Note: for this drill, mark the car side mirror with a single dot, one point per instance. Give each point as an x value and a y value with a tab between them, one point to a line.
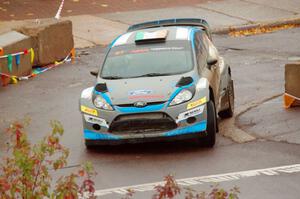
94	73
211	61
212	58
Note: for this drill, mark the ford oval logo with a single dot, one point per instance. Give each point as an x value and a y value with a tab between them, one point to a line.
140	104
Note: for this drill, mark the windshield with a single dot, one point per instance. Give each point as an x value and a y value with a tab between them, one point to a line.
130	61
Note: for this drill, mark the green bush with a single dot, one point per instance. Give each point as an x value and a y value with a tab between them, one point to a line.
26	172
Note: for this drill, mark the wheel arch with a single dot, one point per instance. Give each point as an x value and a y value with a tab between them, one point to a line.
211	95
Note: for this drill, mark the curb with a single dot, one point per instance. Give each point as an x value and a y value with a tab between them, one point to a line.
232	131
231	128
266	24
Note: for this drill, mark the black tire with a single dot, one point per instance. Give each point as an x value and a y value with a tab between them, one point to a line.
227	113
210	139
89	145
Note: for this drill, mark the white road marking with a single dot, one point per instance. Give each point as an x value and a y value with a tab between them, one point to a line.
205	179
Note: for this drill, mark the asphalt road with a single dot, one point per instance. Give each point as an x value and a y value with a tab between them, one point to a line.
32	9
257	65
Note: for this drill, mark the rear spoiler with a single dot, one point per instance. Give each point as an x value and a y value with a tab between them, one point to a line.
173	22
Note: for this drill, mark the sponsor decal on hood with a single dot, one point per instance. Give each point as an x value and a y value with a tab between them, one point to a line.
140	92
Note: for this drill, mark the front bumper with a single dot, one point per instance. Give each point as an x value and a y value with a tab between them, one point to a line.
182	128
188	132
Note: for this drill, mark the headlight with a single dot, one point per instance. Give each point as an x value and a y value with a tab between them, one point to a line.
182	96
99	102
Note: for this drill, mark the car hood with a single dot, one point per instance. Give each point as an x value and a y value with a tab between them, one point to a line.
146	89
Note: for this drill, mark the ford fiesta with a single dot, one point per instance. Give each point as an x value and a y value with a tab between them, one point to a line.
161	80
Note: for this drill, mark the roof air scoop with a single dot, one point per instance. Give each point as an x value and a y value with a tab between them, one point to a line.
150	37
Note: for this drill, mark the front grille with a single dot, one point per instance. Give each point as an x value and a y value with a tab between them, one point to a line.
142	123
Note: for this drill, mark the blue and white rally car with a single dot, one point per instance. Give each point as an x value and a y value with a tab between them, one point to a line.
161	80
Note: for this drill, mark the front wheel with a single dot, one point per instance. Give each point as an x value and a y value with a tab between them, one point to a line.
210	139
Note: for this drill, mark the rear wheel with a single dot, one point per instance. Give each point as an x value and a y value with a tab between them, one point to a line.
230	99
210	139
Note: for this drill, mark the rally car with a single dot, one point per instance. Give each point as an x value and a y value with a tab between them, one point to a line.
161	80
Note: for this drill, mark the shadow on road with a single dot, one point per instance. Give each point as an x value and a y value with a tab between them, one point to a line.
184	146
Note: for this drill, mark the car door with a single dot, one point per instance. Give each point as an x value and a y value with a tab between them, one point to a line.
205	50
215	69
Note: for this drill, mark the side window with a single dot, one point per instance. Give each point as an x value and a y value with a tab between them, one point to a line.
204	46
196	42
211	49
201	52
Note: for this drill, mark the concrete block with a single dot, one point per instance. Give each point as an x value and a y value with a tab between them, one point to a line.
292	85
292	79
52	39
13	42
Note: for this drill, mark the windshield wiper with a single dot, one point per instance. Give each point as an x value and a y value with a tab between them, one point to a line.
145	75
112	77
155	74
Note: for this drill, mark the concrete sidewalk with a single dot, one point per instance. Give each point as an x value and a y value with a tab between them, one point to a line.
101	29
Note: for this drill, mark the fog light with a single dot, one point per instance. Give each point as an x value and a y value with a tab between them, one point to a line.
97	127
96	120
191	120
